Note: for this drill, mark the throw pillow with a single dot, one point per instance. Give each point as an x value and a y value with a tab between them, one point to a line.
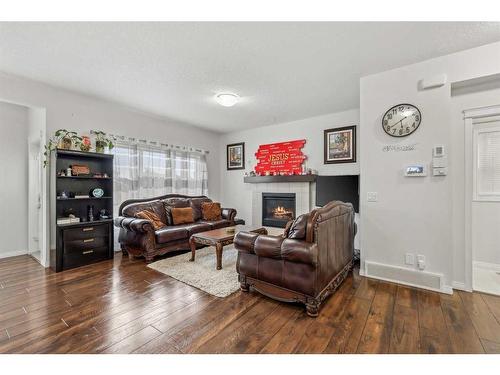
196	205
211	211
182	215
170	203
152	217
298	228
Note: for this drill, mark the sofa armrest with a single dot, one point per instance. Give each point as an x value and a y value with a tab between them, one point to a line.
228	214
133	224
299	251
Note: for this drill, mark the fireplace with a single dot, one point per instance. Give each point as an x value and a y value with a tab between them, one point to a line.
277	209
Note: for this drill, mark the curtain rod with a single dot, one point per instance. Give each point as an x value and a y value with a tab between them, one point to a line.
155	143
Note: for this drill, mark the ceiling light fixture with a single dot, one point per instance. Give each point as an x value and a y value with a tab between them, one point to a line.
227	99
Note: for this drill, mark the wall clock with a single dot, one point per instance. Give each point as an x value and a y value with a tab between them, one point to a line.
401	120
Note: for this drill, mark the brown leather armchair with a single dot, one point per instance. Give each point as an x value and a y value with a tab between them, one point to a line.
307	263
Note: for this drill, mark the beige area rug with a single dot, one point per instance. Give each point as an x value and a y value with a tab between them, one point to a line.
202	273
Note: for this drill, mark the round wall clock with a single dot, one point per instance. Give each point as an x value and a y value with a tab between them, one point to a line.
401	120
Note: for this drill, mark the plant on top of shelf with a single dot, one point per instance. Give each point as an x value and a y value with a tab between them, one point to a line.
102	141
63	139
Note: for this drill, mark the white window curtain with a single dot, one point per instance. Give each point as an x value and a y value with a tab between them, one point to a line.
143	170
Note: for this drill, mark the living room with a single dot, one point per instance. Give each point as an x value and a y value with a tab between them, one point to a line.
245	187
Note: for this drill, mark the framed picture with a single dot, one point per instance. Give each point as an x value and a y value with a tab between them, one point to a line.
236	156
340	145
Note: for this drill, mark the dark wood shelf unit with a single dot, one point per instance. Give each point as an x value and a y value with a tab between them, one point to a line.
86	242
85	177
82	199
270	179
85	223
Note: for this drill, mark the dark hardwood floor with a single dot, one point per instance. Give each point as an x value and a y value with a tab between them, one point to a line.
121	306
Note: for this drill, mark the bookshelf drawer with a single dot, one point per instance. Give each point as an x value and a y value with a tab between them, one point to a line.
85	244
98	230
82	257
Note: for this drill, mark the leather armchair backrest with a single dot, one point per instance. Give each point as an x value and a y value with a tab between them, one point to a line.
332	229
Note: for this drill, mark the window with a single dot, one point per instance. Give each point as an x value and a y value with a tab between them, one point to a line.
143	171
487	162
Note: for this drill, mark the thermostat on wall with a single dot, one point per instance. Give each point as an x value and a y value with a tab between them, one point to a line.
415	171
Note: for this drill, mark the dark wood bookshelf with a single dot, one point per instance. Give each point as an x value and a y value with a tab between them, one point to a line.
87	241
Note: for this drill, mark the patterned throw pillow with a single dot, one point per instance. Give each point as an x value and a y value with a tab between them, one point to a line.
298	228
211	211
182	215
152	217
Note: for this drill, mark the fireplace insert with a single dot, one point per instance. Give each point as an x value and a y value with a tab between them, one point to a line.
277	209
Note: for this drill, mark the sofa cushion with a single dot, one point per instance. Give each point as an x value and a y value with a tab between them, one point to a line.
182	215
155	206
152	217
196	205
170	203
168	234
216	224
193	228
211	211
298	228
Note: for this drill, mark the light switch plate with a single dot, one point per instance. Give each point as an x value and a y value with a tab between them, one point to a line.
372	196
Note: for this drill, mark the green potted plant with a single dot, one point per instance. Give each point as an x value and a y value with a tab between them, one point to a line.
102	141
62	139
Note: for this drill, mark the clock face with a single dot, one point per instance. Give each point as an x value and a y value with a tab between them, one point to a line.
401	120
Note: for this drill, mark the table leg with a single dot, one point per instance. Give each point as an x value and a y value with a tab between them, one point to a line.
218	252
192	244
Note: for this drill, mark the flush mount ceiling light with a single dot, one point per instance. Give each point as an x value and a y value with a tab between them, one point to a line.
227	99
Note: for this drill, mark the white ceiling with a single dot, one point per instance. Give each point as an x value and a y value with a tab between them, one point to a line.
282	71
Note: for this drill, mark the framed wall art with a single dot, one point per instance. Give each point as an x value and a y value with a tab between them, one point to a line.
340	145
235	156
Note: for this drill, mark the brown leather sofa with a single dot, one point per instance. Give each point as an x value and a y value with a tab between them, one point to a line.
307	263
137	237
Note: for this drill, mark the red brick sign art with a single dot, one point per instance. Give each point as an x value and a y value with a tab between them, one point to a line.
284	158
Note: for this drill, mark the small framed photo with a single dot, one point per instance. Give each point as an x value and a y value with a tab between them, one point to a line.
340	145
236	156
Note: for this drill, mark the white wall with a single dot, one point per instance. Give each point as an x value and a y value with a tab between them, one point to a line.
485	215
237	194
14	185
82	113
418	215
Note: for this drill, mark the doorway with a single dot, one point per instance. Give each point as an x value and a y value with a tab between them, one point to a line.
483	197
23	198
35	213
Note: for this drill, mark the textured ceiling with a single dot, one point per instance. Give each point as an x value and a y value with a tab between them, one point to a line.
282	71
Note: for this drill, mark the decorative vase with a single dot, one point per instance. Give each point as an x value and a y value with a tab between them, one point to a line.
99	146
85	145
66	143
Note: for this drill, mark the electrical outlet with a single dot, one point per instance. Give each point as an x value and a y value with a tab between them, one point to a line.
372	196
410	259
421	262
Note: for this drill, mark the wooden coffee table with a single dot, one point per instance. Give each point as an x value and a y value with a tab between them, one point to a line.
219	238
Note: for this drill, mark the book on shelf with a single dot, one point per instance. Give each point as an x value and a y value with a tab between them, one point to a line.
80	196
68	220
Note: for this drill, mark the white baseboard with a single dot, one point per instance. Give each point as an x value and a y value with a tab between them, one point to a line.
406	276
460	286
489	266
13	254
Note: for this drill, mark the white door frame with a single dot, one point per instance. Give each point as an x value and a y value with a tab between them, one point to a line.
471	117
41	113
